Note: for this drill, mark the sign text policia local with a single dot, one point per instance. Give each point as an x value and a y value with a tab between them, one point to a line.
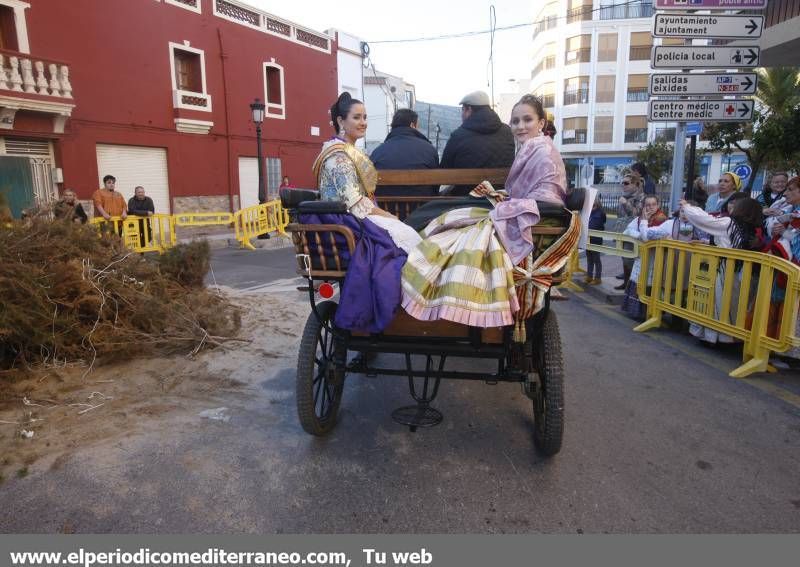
707	25
704	56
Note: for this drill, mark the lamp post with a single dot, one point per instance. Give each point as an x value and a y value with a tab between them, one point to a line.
438	129
257	109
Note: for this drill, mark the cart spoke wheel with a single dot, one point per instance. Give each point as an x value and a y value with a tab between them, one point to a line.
548	401
319	381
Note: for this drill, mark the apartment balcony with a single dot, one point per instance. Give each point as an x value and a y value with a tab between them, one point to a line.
545	24
549	100
579	14
640	53
579	96
635	135
34	84
582	55
545	64
574	137
626	11
638	94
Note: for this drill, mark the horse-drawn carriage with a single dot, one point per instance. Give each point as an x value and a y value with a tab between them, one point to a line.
324	251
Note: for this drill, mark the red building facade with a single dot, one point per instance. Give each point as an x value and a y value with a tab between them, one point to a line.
157	93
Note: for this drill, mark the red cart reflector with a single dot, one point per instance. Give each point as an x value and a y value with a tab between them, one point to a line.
326	290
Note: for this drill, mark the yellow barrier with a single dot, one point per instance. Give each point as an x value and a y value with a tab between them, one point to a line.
617	249
254	221
722	284
155	233
203	219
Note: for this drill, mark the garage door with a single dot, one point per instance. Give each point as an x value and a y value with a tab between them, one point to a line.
133	166
248	182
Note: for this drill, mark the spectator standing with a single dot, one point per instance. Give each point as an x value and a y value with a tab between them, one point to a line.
594	265
141	205
285	184
628	209
109	203
649	185
69	208
774	189
729	183
698	193
406	148
482	140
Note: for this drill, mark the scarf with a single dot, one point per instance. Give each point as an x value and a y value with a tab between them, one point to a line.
367	174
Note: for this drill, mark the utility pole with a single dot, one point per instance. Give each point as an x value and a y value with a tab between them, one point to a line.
429	122
690	177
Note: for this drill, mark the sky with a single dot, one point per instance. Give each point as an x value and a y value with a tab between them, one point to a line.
442	71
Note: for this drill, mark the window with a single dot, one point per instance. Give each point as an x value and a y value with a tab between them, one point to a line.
641	44
188	71
605	88
274	91
637	88
579	10
574	131
274	177
189	77
579	49
547	92
607	47
636	129
576	90
603	129
672	41
8	29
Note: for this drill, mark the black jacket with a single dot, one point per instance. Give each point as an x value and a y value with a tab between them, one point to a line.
140	208
406	148
482	141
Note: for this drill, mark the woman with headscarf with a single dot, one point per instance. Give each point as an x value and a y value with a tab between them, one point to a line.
729	183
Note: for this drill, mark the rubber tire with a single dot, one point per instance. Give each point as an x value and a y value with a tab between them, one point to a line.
548	430
308	369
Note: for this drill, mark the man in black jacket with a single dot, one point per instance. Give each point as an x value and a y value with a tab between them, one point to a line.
406	148
482	140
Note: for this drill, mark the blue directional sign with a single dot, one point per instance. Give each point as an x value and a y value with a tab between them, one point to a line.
694	128
743	170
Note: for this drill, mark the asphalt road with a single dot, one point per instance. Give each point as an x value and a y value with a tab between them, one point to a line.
658	439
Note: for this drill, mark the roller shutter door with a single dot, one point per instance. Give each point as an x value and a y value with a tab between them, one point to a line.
248	182
133	166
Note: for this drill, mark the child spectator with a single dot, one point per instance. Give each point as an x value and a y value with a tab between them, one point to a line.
597	221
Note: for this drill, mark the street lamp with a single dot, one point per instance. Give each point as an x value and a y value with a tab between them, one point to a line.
257	109
438	129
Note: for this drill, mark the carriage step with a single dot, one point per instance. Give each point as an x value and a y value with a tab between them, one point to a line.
420	415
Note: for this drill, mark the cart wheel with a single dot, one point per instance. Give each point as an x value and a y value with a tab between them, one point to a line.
319	382
548	403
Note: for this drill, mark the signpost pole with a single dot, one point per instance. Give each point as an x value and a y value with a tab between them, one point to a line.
690	177
677	166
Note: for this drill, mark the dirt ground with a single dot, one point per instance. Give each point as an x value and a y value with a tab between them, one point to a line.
47	414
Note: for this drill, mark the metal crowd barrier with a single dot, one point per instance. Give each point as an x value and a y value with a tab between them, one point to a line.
157	233
617	249
729	291
254	221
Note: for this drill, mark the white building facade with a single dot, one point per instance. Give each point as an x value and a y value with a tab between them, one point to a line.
591	65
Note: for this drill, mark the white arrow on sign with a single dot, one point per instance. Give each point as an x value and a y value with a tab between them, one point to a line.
668	84
704	56
707	25
710	4
705	110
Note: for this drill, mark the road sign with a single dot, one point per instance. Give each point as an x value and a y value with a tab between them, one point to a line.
704	56
743	170
717	110
693	84
694	128
707	25
710	4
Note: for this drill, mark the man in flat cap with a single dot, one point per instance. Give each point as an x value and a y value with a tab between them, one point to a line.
482	140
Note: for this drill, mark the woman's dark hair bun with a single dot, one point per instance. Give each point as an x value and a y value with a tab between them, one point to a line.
341	108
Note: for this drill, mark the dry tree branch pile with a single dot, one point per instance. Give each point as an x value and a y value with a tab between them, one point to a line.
69	293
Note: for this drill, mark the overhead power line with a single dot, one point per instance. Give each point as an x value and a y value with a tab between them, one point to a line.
496	28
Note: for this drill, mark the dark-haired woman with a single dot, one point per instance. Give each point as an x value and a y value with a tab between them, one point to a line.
463	270
742	230
344	173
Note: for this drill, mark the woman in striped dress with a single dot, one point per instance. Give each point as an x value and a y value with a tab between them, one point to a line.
463	269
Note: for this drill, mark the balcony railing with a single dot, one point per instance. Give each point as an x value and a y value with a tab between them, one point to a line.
582	55
19	72
579	96
640	52
635	135
579	14
626	11
779	11
577	137
637	94
549	100
545	24
545	64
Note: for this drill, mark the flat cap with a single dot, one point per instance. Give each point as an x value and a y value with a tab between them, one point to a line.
477	98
